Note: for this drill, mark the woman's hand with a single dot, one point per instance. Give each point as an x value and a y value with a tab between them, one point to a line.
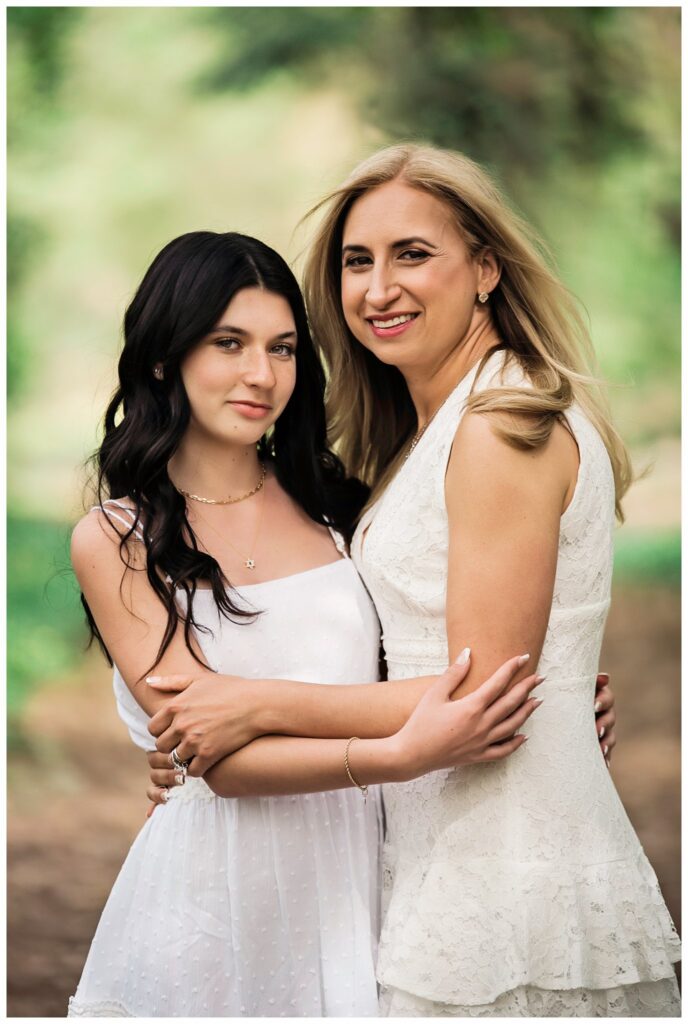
207	717
482	726
605	716
162	778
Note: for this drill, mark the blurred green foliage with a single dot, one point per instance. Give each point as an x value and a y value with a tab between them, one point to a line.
128	126
518	87
648	558
45	620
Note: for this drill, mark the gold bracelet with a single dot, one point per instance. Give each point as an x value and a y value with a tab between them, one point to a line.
363	789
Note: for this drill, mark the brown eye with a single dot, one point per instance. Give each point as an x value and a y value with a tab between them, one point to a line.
356	261
413	255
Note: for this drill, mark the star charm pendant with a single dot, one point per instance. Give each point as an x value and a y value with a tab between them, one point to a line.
249	563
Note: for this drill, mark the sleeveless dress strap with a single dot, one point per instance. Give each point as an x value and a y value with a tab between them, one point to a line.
127	520
339	541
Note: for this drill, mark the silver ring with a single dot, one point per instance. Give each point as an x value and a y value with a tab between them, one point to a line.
177	761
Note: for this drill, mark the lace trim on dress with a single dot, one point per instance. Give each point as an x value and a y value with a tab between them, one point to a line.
109	1009
552	925
646	999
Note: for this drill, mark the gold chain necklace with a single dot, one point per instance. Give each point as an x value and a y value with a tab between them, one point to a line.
248	560
230	500
417	436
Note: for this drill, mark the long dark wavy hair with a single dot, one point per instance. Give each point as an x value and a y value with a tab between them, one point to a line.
183	294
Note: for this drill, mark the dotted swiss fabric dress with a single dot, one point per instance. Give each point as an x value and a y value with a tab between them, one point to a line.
256	906
517	888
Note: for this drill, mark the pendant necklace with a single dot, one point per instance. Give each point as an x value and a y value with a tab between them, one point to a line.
248	560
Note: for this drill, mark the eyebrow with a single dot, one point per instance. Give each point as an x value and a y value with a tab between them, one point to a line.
395	245
228	329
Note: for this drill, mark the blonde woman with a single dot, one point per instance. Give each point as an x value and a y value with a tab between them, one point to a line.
465	395
462	392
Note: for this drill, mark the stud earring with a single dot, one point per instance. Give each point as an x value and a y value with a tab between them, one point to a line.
157	372
483	297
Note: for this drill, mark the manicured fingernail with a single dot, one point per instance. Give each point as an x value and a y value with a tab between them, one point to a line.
601	732
605	750
538	680
598	706
165	795
523	659
607	762
153	679
180	779
537	703
464	656
604	676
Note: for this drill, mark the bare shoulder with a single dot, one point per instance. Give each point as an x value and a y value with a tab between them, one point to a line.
482	459
96	544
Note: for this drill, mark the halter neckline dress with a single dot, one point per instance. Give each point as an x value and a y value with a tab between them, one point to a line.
516	888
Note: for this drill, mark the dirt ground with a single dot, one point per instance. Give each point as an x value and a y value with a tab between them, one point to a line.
78	799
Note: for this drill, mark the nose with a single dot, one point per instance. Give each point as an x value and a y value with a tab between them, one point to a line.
382	287
257	369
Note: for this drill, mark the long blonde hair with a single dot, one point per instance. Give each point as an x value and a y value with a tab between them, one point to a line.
370	412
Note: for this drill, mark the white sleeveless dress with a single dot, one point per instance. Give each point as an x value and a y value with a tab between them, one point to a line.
257	906
516	888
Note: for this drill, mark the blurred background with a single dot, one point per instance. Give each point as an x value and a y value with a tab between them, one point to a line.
129	126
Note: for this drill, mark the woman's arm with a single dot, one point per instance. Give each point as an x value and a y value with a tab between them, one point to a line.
130	616
206	716
132	620
440	733
504	508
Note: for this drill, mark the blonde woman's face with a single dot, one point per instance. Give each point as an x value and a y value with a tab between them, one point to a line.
409	285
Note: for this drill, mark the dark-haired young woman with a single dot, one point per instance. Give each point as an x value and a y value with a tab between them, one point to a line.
217	542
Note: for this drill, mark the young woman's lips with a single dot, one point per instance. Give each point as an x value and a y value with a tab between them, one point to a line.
251	412
395	329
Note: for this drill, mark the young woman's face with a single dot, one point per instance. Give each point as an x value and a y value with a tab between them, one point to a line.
409	284
239	378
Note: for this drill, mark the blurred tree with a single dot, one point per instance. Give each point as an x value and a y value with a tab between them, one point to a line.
23	238
37	38
42	31
520	84
523	90
261	41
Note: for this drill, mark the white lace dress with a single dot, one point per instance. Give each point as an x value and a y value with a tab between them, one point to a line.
258	906
517	888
